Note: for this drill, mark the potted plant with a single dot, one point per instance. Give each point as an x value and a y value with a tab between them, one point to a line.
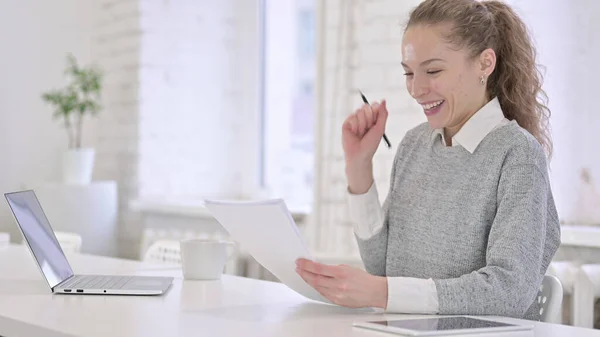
72	104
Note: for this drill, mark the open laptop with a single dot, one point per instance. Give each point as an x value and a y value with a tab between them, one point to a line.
53	263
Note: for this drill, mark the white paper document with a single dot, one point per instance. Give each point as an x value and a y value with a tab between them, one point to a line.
268	232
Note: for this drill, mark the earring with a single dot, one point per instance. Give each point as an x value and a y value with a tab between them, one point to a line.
482	79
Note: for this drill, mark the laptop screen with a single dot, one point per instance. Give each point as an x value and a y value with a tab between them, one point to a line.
39	236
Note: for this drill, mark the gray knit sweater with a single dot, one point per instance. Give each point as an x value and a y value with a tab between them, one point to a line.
483	226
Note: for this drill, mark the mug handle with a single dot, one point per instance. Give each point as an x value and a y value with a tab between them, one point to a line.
232	251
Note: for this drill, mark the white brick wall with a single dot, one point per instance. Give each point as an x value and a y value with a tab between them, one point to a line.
179	100
193	76
117	50
371	33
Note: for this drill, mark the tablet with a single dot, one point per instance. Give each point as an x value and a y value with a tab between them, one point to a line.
438	326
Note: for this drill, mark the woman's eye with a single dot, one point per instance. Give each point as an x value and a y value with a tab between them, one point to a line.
408	74
431	72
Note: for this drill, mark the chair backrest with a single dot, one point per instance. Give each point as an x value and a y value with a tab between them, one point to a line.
566	272
69	242
163	252
550	299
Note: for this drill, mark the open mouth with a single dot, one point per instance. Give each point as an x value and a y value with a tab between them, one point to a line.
433	108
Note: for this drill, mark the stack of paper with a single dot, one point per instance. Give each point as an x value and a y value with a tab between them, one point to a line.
267	231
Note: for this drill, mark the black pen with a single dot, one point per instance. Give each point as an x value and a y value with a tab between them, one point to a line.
387	141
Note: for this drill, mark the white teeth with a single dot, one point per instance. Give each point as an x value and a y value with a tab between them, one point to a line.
432	105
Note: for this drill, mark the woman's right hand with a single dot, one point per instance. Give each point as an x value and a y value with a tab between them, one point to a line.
361	135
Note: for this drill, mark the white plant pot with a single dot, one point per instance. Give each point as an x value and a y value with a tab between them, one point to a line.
78	165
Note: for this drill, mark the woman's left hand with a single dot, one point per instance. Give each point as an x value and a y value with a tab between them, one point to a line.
344	285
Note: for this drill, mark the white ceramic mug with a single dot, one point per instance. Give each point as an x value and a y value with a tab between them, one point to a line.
204	259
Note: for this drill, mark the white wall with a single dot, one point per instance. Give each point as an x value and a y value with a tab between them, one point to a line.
361	50
36	36
117	48
197	96
180	119
582	60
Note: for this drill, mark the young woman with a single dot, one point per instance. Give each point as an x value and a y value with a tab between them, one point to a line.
469	224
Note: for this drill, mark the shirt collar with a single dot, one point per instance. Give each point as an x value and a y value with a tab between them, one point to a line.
477	127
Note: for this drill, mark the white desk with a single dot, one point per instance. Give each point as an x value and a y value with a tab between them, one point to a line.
231	307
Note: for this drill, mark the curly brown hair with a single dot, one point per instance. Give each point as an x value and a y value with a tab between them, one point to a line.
516	81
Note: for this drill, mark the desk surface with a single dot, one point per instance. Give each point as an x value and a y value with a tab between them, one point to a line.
233	306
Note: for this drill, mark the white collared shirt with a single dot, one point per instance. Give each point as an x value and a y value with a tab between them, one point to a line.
407	294
488	118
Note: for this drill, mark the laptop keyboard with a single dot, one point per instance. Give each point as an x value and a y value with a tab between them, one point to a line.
97	282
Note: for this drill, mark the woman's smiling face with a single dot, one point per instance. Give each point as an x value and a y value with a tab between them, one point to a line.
443	79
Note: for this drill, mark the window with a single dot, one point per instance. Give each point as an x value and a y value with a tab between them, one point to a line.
288	100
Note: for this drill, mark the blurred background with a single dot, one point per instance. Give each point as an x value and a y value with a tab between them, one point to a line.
244	100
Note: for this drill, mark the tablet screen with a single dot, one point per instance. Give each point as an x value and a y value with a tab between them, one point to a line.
442	323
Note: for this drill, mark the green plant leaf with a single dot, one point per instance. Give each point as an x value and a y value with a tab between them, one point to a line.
81	95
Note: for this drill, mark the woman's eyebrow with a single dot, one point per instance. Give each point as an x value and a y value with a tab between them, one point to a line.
426	62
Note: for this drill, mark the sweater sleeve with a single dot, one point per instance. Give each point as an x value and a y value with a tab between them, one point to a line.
509	282
373	249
